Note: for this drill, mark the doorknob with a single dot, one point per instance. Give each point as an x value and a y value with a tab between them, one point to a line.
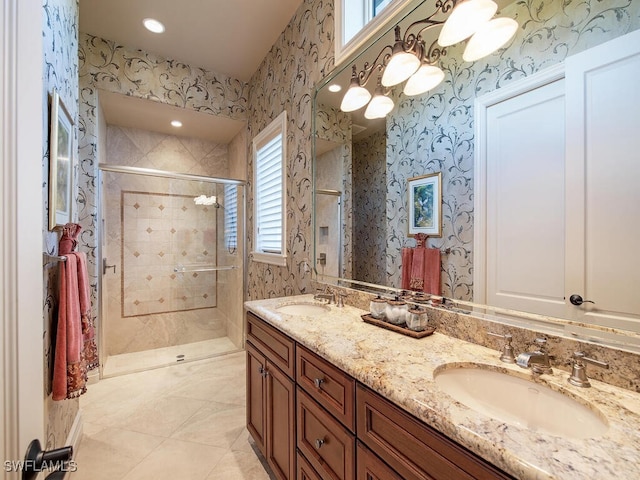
577	300
37	460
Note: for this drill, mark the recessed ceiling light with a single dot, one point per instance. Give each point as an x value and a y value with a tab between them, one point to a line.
153	25
335	88
176	123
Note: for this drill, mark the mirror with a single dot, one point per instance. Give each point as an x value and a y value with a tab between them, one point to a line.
367	164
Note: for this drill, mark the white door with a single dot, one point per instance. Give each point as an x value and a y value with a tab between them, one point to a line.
603	183
521	265
554	224
21	324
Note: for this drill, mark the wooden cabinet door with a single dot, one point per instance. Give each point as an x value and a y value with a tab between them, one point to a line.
370	467
305	470
256	395
281	421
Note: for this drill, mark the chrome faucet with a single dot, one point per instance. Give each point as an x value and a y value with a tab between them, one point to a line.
507	355
328	295
539	360
579	371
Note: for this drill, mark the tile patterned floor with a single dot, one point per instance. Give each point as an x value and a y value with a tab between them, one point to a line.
183	422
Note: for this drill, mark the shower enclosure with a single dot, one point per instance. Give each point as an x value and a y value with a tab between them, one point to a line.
172	278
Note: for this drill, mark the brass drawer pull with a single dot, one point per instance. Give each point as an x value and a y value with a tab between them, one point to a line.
319	442
318	382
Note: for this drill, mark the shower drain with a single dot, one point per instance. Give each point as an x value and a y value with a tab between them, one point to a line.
179	358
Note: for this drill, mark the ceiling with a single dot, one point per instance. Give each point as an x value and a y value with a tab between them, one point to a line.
229	37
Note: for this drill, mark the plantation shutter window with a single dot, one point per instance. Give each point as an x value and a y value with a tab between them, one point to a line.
269	200
231	218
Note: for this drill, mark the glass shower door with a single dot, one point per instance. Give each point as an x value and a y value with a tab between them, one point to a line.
172	279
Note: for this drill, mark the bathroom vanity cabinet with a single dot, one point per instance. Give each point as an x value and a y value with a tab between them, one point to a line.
313	421
271	395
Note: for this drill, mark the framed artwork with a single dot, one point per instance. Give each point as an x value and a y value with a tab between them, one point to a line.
425	205
61	159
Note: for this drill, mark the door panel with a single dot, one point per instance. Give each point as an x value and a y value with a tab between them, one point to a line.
603	101
525	201
281	422
256	395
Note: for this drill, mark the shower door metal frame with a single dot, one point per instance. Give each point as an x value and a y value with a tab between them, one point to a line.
151	172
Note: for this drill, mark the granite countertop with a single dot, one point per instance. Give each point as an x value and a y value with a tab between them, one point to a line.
402	368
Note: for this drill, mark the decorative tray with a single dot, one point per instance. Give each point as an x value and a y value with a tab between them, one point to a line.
398	328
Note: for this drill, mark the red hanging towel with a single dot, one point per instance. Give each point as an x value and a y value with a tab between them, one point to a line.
432	271
68	375
407	256
75	349
417	269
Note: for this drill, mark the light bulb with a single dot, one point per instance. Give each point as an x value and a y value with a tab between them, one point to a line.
465	19
402	64
426	78
355	98
379	106
489	38
153	25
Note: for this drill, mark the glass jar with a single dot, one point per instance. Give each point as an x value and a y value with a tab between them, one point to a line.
378	307
396	311
417	319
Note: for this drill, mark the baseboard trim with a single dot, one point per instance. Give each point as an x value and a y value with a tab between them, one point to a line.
75	434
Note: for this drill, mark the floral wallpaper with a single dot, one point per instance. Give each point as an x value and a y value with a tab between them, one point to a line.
285	81
369	200
435	133
115	68
60	72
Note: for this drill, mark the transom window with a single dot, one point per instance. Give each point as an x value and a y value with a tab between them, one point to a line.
357	20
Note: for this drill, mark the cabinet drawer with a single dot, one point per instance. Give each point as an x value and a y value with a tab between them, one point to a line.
370	467
411	448
305	470
329	386
275	345
327	445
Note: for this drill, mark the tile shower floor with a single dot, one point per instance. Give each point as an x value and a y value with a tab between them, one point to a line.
183	422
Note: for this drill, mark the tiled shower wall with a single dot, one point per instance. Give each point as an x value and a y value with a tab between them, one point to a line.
153	225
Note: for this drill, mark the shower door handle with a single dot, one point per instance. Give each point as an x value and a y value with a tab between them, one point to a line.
105	266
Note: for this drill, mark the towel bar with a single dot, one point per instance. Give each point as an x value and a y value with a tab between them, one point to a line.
443	251
202	268
46	258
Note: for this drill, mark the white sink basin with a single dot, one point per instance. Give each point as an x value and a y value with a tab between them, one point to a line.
520	402
303	308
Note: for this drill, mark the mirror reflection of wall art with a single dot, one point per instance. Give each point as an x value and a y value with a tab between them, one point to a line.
60	164
425	204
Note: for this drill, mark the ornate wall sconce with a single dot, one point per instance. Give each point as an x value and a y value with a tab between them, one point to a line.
411	60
